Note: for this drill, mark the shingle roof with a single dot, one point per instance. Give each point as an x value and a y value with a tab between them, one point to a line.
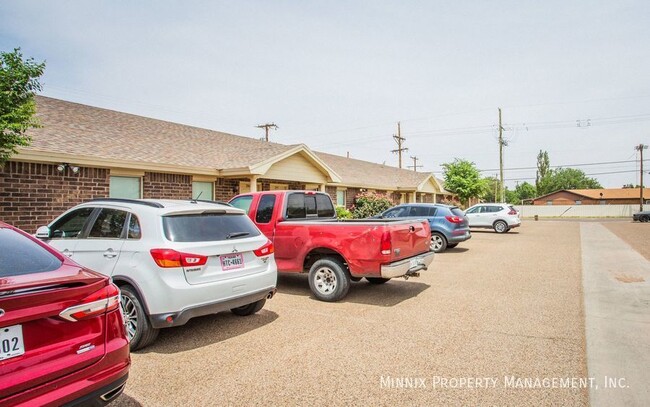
72	128
96	133
607	193
612	193
358	172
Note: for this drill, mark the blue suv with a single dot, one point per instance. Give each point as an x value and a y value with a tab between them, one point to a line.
449	226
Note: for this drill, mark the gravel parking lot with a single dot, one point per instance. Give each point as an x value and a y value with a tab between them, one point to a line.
496	306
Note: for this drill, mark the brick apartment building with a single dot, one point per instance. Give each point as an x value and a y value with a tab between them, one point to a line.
83	152
613	196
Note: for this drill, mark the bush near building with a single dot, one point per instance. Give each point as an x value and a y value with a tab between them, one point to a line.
367	204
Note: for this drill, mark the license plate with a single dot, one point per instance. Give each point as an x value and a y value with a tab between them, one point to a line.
11	342
232	261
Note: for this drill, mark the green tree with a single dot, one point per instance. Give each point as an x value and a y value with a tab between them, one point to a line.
543	166
463	179
525	191
491	189
367	204
19	82
566	178
512	197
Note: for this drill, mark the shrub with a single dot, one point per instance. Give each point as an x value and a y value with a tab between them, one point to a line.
342	213
369	204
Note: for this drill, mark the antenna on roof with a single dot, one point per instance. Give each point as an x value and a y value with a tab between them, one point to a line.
197	198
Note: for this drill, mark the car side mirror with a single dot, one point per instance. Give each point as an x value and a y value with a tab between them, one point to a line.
43	232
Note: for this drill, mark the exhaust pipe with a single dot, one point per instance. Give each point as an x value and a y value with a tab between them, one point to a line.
271	294
111	395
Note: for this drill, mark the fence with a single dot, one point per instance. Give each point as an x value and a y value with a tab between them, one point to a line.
577	211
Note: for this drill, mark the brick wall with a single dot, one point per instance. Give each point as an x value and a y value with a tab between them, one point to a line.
32	195
166	186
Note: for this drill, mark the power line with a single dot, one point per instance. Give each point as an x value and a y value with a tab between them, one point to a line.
266	128
564	166
415	165
593	173
399	140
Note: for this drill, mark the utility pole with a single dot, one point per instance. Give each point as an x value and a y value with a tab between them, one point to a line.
502	194
399	140
266	128
415	165
640	148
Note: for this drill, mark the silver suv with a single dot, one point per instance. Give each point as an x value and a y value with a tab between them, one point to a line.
497	216
173	260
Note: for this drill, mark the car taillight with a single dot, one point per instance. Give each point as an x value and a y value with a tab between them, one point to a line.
102	301
265	250
512	212
386	245
168	258
454	219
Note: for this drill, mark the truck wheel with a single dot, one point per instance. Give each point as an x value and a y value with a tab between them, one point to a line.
249	309
438	243
377	280
138	328
329	279
644	218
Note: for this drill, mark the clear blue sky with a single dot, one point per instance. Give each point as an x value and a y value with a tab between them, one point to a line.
338	76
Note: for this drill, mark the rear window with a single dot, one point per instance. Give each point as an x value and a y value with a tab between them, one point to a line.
208	227
457	212
20	255
301	206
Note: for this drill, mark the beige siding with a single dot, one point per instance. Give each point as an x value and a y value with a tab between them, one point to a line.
429	187
296	168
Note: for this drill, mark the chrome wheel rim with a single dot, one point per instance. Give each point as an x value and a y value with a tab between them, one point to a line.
500	226
130	316
325	280
436	243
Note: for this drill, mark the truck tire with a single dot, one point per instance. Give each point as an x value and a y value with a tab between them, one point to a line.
329	279
249	309
377	280
138	329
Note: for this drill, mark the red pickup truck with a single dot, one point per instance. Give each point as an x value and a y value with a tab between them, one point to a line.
308	238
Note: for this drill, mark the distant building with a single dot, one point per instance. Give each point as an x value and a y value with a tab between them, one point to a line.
613	196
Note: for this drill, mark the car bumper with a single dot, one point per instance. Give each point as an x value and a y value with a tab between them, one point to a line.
170	319
97	385
408	266
459	238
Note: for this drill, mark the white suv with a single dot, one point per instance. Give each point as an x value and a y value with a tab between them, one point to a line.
173	260
497	216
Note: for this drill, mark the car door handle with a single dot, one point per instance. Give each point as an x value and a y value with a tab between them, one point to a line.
110	253
66	253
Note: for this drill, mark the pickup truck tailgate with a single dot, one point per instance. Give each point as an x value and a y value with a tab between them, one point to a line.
410	239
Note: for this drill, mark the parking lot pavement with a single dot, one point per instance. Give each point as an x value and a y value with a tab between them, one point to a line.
491	314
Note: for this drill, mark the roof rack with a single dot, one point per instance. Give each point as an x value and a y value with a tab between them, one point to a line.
131	201
211	202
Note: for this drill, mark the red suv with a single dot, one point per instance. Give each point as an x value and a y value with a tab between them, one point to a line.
62	336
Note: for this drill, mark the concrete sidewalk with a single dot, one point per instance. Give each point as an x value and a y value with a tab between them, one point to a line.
616	281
